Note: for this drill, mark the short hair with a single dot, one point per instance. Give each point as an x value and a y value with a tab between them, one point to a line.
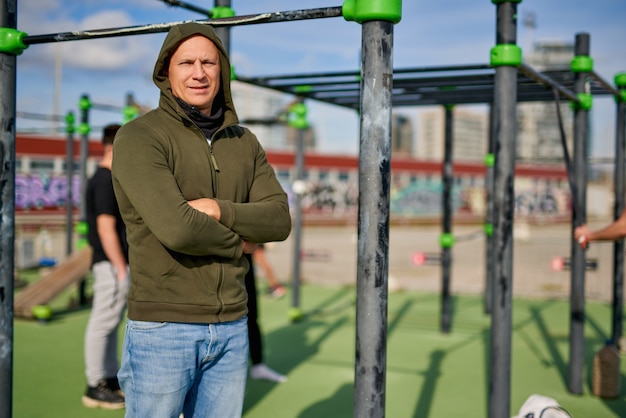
108	133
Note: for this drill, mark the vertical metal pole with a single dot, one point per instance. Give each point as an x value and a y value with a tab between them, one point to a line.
223	32
577	295
85	105
505	100
490	261
446	250
69	172
8	19
618	246
82	167
297	232
373	219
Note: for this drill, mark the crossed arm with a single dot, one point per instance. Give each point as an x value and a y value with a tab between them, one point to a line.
212	209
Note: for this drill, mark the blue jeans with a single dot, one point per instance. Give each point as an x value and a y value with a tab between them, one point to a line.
198	369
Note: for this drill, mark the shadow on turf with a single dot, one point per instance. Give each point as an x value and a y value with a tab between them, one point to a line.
288	345
336	404
556	359
291	344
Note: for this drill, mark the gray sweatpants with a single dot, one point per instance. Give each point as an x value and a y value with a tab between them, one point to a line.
107	311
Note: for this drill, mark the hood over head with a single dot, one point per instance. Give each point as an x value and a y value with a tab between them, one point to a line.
174	38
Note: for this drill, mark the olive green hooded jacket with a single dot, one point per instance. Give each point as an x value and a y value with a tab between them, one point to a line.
184	265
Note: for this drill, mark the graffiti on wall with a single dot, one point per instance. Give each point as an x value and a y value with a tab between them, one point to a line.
41	191
420	198
423	198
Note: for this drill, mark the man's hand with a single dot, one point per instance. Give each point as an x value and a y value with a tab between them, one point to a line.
581	234
207	206
249	247
211	208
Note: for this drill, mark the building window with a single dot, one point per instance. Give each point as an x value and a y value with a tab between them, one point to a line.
76	167
42	165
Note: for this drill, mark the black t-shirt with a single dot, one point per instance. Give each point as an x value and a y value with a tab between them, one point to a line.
100	199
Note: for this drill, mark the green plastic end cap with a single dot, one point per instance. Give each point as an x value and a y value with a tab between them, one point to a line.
490	160
42	312
69	120
620	80
488	228
82	228
303	89
129	113
622	96
297	113
582	64
11	41
367	10
446	240
294	314
219	12
299	110
84	103
506	54
82	243
299	123
233	73
585	101
84	128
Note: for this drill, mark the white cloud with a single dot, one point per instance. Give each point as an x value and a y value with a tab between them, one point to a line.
110	54
106	54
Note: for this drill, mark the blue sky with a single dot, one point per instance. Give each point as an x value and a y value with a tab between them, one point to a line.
430	33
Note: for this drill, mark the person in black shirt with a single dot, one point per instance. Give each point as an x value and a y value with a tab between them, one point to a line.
107	237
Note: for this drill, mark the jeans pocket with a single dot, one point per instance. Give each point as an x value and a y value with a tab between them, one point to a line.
145	325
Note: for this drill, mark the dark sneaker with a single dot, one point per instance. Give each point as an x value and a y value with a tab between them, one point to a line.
113	384
103	397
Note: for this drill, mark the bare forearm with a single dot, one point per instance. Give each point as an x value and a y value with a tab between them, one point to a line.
611	232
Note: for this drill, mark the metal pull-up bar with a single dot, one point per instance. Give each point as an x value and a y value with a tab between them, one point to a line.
606	85
548	82
287	16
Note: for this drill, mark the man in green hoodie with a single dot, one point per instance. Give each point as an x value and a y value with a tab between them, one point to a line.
196	193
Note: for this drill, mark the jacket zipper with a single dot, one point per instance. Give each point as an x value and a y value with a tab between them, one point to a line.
220	280
213	160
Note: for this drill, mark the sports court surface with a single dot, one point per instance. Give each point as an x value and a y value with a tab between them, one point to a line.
429	374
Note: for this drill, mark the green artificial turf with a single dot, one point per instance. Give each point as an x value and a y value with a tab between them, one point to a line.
429	374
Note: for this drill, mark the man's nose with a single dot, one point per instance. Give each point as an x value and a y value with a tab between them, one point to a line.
198	71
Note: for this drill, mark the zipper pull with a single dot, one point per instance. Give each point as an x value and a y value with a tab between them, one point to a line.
213	161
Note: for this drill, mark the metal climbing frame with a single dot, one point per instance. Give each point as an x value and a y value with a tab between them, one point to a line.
501	84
